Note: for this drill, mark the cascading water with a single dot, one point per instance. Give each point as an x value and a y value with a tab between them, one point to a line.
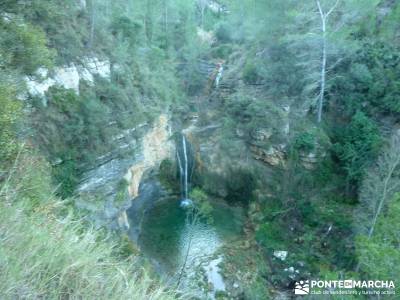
183	246
184	173
219	74
186	167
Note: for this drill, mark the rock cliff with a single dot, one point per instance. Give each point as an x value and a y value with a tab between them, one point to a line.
117	177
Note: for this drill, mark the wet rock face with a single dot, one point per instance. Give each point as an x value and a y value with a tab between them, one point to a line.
149	191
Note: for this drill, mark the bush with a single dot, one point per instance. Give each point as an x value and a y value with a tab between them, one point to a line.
126	28
10	112
168	174
371	78
222	52
24	47
224	33
305	142
250	73
270	236
66	174
358	145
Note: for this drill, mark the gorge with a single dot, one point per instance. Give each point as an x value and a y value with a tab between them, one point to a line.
205	149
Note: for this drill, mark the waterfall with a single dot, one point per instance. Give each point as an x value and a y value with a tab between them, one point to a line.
184	166
185	174
219	74
180	172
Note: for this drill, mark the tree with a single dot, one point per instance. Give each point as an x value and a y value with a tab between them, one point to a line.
23	47
322	39
379	254
380	185
357	145
324	15
92	23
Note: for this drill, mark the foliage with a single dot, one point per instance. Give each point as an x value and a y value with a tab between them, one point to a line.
371	78
168	174
223	33
10	112
357	145
305	142
126	28
250	73
270	237
48	253
72	129
156	64
378	255
66	174
221	52
201	201
23	46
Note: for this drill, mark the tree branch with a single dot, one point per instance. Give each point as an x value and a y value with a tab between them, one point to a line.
332	9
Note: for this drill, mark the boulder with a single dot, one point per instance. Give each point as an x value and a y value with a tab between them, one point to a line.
280	254
272	156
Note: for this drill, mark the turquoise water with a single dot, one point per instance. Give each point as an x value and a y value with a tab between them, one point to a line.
166	236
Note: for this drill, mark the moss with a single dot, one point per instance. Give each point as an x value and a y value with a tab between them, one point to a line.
168	175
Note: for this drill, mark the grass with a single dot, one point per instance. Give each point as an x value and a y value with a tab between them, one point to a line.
46	252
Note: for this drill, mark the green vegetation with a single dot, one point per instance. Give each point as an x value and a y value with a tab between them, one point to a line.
379	253
47	252
358	144
10	111
302	124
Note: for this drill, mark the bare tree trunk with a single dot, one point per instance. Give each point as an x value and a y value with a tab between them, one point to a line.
166	22
202	16
92	24
324	17
383	199
323	72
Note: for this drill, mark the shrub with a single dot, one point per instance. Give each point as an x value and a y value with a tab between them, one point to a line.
305	142
10	112
24	47
126	28
250	73
358	145
224	33
222	51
